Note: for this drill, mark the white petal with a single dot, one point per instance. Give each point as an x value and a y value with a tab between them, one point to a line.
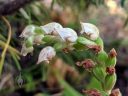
90	30
50	27
46	54
67	34
28	31
25	50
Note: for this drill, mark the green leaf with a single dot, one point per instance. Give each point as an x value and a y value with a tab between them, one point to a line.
68	90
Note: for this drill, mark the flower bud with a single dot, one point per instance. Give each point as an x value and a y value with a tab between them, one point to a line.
115	92
46	54
28	31
111	61
25	50
50	28
90	31
110	70
99	73
67	34
88	64
95	48
92	92
112	53
101	57
110	81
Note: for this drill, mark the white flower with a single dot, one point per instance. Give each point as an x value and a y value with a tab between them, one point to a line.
25	50
46	54
28	31
90	30
67	34
50	27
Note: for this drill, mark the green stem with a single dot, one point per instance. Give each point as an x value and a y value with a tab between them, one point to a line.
3	44
16	61
7	44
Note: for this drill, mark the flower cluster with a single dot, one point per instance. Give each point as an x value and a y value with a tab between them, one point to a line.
101	65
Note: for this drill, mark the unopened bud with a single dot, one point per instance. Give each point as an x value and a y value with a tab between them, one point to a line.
88	64
115	92
95	48
92	92
110	70
110	81
112	53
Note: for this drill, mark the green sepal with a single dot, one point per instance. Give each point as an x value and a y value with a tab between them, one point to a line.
111	61
29	41
101	57
99	41
99	73
85	41
48	38
79	46
58	46
110	81
39	31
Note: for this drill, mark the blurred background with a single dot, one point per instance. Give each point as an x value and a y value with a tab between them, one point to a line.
110	16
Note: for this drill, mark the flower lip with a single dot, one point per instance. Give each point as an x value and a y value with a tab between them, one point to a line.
67	34
90	30
46	54
28	31
51	27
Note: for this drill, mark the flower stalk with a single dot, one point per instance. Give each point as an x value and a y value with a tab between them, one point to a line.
101	65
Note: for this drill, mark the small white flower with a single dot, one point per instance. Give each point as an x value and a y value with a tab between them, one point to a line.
28	31
67	34
90	30
25	50
50	27
46	54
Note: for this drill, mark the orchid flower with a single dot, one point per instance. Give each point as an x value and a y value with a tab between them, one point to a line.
51	27
90	31
67	34
28	31
46	54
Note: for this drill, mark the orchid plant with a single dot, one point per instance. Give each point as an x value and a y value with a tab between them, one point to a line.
101	65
